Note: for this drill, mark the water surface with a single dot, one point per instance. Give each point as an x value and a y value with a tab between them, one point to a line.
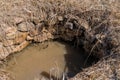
50	58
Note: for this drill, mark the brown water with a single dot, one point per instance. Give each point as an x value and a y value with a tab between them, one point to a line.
35	61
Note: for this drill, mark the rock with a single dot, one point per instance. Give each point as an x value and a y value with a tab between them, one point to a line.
10	32
22	45
49	35
69	25
9	49
84	23
23	27
29	38
20	37
32	30
43	37
40	38
44	30
18	20
7	42
4	53
13	47
60	18
36	20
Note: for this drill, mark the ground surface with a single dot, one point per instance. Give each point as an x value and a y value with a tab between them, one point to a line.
26	21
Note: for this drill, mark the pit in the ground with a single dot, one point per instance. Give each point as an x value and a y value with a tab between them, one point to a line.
48	60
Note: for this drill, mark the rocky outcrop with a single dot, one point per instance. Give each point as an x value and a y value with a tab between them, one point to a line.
14	39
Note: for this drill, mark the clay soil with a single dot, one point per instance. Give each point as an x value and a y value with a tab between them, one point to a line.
93	25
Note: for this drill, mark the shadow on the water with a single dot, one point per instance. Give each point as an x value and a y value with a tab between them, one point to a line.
74	58
74	61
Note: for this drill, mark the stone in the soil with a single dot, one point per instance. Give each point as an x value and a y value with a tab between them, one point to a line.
49	35
20	37
60	18
22	45
23	27
36	20
9	49
18	20
69	25
42	37
32	30
8	42
29	38
10	32
4	53
84	23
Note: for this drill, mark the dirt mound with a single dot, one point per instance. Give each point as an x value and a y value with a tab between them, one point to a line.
94	25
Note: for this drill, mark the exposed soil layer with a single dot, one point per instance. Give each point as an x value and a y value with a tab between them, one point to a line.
94	27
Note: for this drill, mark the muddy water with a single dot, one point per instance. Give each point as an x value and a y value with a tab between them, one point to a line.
51	58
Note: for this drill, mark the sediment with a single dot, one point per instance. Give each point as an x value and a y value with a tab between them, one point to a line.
96	29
